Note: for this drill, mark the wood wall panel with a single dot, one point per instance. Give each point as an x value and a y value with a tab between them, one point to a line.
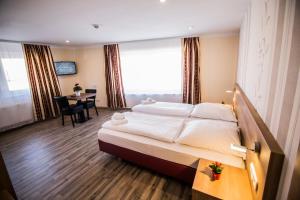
268	162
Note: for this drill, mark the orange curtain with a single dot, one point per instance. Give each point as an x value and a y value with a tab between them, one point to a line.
43	80
191	72
113	75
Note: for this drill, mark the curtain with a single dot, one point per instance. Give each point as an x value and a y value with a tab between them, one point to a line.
191	71
113	75
15	97
43	80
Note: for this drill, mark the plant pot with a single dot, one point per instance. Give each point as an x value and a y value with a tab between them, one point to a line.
77	93
216	176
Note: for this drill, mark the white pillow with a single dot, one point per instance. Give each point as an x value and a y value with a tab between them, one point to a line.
214	111
210	134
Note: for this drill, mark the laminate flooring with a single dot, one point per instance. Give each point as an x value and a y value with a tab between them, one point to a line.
46	160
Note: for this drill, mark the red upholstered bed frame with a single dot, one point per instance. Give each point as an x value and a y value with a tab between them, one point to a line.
175	170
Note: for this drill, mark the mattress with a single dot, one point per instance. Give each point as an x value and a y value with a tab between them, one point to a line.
164	128
165	108
173	152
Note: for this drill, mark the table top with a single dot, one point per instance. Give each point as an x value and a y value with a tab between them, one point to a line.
82	96
234	182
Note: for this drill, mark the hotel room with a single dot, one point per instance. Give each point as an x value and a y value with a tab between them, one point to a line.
156	99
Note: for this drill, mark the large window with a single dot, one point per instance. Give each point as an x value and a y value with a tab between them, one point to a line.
15	73
16	103
151	67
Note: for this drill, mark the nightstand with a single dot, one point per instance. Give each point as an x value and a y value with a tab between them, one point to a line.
233	184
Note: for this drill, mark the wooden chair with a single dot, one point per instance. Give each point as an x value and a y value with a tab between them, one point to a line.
67	109
90	102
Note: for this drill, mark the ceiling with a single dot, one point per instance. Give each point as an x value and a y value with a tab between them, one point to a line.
55	21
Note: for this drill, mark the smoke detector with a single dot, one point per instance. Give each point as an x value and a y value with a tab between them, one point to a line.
96	26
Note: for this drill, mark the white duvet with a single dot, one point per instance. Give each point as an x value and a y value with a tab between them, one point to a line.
161	128
165	108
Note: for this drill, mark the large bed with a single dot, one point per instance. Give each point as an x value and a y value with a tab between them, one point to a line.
173	152
156	136
180	161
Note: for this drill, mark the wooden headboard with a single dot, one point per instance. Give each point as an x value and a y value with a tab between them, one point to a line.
267	163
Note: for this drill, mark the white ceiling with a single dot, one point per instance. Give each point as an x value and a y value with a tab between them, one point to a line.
54	21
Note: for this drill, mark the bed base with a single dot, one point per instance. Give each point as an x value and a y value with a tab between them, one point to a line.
175	170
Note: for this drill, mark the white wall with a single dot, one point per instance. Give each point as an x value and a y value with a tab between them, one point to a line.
218	63
268	71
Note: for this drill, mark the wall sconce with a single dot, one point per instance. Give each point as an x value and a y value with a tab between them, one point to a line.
229	93
243	149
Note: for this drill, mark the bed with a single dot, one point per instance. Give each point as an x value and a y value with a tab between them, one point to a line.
180	161
155	138
172	152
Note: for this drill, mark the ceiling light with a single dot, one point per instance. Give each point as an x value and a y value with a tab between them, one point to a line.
67	41
162	1
190	28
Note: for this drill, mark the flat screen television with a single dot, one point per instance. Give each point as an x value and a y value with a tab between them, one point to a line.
65	68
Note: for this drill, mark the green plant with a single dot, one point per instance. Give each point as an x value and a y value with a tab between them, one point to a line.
77	87
216	167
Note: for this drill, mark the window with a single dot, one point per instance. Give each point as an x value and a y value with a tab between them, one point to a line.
15	73
151	67
16	103
14	85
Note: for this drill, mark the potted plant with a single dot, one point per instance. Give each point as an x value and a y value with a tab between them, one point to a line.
77	88
216	170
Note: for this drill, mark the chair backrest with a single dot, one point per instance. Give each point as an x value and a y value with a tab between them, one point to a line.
91	91
62	102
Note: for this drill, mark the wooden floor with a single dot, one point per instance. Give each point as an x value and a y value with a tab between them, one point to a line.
49	161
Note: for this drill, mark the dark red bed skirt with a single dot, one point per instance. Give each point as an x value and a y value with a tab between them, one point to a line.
178	171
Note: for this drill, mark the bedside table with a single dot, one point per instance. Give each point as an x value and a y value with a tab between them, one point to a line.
233	184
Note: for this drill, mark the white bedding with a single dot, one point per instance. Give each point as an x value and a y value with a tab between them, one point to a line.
181	154
214	135
162	128
165	108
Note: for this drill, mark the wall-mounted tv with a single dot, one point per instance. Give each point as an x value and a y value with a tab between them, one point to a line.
65	68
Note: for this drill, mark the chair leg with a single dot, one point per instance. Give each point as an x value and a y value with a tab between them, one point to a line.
72	120
75	118
96	111
87	113
63	119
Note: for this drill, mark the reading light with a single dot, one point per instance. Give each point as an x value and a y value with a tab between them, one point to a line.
162	1
67	41
228	91
244	149
253	176
238	148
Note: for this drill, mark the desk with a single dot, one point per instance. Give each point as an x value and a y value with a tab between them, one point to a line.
83	96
